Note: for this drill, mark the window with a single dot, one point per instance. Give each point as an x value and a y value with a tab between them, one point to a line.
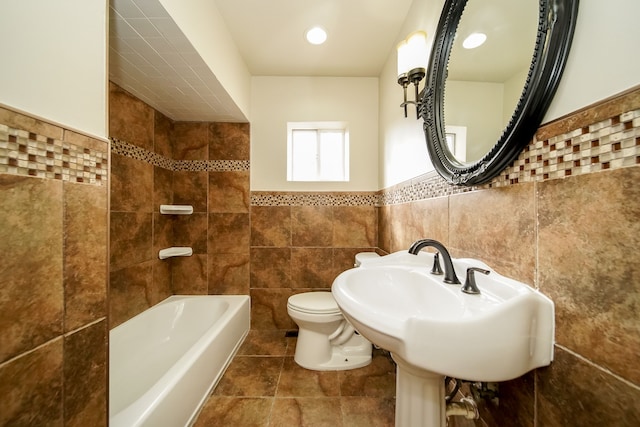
457	141
318	152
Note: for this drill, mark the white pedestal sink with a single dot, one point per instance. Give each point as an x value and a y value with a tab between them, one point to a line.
434	330
419	396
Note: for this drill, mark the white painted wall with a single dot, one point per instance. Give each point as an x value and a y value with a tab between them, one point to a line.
478	106
54	61
402	148
202	24
512	93
603	62
604	56
278	100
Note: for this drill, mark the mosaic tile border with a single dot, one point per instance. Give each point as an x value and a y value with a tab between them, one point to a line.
126	149
613	143
427	186
211	165
259	198
138	153
27	153
608	144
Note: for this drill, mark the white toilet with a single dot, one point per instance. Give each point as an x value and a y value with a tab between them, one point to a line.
326	340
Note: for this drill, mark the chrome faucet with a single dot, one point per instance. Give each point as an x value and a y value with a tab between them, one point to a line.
449	272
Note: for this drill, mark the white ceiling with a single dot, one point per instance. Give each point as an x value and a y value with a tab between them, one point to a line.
270	35
510	27
151	58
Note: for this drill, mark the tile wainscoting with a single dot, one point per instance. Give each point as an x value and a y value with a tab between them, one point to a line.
53	274
301	242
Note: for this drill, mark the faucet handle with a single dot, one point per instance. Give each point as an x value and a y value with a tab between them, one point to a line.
470	286
436	269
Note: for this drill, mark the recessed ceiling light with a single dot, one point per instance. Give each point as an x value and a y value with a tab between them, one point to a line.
474	40
316	35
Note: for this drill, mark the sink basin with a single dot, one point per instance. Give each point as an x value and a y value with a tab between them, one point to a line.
498	335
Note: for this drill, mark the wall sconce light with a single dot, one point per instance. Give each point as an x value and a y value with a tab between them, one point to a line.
412	65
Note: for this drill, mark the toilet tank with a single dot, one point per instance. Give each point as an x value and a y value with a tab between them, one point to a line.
363	257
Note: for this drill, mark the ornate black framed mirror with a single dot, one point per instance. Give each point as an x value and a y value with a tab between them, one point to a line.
481	106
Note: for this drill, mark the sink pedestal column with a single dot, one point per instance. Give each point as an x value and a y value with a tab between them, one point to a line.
419	397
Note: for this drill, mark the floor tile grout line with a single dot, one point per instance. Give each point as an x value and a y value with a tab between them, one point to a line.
271	413
275	392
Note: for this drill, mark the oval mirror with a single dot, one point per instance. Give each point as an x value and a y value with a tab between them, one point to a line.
485	97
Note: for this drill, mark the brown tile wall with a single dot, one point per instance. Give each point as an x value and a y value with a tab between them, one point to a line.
576	239
267	245
302	246
157	161
138	279
53	274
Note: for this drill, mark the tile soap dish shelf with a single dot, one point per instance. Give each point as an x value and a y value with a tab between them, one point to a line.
176	209
175	251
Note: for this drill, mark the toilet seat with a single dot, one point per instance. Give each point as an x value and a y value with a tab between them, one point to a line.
314	303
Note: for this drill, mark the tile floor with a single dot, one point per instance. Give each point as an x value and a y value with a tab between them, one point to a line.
263	386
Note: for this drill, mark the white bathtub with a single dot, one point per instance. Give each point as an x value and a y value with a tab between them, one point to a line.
164	362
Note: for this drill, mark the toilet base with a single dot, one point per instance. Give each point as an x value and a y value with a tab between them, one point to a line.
355	353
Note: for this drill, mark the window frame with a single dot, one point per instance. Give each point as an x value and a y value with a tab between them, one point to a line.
318	128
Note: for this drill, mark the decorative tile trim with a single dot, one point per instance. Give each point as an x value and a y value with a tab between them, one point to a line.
126	149
427	186
27	153
259	198
613	143
134	152
211	165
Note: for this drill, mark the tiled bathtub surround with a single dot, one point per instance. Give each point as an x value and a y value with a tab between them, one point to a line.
156	161
573	233
53	274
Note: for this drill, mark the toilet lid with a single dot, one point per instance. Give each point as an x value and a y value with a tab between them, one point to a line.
314	302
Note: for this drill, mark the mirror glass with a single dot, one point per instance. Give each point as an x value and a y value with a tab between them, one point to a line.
484	83
481	106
